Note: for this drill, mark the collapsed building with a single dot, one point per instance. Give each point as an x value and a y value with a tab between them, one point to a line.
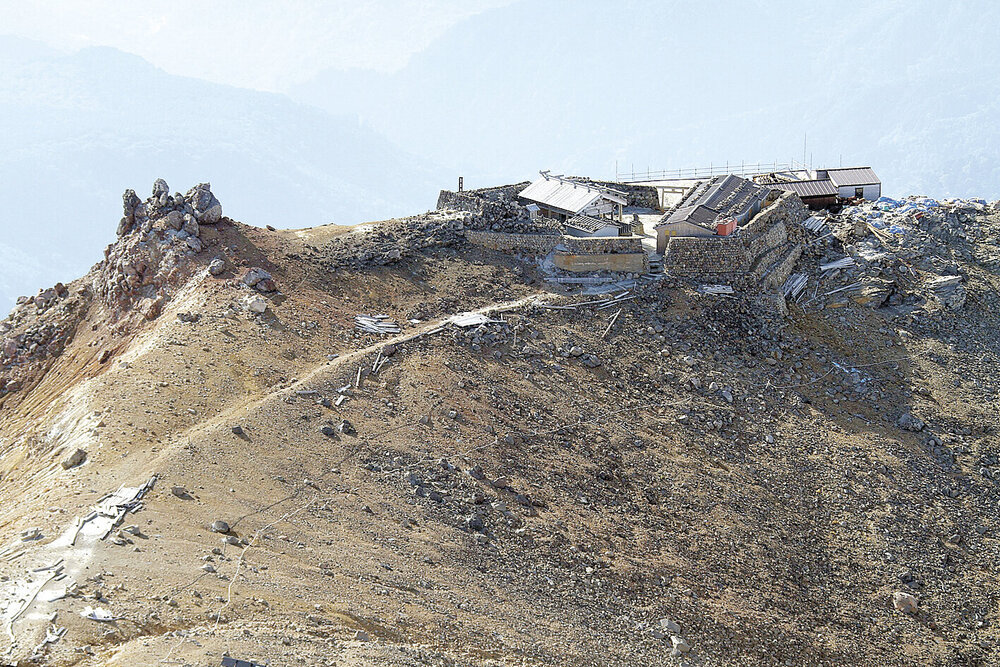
715	207
823	188
586	208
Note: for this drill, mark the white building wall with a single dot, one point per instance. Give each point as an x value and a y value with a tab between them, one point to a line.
873	191
611	230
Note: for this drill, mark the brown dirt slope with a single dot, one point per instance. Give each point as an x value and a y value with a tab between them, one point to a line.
533	493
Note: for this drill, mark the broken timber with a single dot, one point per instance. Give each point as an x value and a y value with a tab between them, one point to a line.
376	324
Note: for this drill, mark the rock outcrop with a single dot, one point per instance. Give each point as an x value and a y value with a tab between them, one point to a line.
157	237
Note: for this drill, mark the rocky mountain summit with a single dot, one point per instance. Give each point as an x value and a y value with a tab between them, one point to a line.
386	445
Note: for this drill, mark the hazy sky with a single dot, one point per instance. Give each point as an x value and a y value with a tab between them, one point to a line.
247	43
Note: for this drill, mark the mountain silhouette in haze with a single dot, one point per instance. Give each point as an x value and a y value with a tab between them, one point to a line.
80	128
576	86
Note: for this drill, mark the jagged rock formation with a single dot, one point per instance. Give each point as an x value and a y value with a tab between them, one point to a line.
157	237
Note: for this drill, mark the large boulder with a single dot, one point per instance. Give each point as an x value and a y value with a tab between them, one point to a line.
207	209
160	188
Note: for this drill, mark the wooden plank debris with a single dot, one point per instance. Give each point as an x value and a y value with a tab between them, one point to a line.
814	223
842	263
614	319
599	304
376	324
794	285
715	289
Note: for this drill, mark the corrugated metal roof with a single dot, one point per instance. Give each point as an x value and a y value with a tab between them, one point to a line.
815	188
725	196
586	223
699	215
553	192
722	188
852	176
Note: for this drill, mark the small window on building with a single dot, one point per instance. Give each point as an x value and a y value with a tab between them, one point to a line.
859	192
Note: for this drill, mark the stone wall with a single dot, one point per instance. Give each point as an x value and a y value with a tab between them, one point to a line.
604	245
495	209
772	237
763	250
532	244
779	271
543	244
787	208
643	196
712	256
474	201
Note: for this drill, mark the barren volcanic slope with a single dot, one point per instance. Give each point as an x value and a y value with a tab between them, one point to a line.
541	489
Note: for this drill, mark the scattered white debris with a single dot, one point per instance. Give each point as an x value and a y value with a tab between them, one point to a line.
109	512
376	324
469	319
814	223
794	285
841	263
715	289
100	614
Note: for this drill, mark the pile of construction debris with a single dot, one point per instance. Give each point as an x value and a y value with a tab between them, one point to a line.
903	254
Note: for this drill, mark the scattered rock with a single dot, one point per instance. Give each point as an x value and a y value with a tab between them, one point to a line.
77	457
904	602
256	305
219	526
908	422
207	209
680	646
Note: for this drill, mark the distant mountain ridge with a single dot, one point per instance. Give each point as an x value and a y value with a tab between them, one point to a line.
80	128
576	86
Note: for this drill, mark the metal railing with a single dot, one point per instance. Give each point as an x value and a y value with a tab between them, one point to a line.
738	169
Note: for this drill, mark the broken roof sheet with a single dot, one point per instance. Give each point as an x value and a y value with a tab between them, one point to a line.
566	195
702	216
586	223
812	188
852	176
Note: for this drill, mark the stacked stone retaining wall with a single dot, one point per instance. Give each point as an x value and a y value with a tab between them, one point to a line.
763	250
642	196
542	244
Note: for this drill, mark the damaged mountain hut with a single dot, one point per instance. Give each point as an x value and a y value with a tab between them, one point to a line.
583	204
815	193
715	207
823	188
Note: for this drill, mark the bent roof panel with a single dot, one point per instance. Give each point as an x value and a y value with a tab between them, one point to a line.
853	176
814	188
566	195
699	215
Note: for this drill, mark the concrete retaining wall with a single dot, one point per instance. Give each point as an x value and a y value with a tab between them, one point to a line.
624	262
543	244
